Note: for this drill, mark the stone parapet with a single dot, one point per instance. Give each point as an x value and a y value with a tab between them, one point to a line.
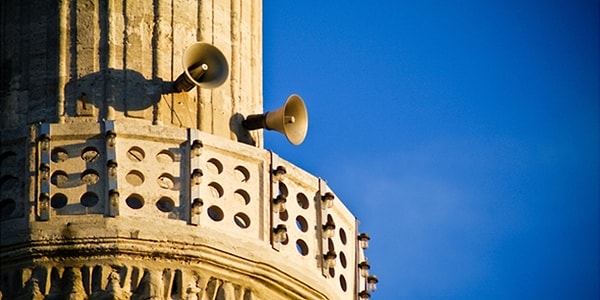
172	213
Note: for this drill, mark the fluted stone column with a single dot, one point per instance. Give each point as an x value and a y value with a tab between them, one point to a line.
89	60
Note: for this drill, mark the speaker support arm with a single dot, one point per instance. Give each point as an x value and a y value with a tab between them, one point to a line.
184	83
254	122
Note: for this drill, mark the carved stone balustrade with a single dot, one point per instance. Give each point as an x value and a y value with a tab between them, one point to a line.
129	210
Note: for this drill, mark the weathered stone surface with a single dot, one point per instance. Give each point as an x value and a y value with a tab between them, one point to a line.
123	56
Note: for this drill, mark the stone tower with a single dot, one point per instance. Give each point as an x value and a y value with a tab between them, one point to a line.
115	186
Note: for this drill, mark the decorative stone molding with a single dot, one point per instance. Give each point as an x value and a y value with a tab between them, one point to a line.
113	282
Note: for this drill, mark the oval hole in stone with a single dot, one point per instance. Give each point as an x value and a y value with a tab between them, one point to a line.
8	159
58	201
89	199
302	200
301	223
165	204
135	201
283	190
59	155
215	213
90	154
166	181
242	196
59	178
216	189
136	154
90	177
135	178
343	237
302	247
165	157
242	220
214	166
7	207
343	259
241	174
7	183
343	283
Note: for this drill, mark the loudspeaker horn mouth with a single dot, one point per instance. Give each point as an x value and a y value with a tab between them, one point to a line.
204	65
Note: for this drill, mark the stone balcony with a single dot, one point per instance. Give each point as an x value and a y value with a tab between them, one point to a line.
141	211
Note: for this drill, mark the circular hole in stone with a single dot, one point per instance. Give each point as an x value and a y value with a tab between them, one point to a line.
135	201
241	174
301	223
216	189
8	183
166	181
302	200
214	166
165	157
343	283
283	190
59	178
343	259
7	207
89	199
242	196
136	154
302	247
58	201
135	178
241	220
8	159
165	204
59	155
90	154
215	213
89	177
283	216
330	245
343	236
332	272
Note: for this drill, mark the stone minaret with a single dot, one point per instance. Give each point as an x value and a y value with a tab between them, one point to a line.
114	186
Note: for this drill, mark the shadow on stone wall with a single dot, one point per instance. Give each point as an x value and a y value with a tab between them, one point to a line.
124	90
241	133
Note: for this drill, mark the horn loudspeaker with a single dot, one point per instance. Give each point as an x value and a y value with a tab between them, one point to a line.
204	66
291	119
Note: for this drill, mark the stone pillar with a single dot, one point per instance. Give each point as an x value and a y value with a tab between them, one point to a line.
88	60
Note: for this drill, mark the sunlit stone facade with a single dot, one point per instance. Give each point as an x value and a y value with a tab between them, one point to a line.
112	186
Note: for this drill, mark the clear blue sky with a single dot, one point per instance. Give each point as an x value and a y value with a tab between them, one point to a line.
464	135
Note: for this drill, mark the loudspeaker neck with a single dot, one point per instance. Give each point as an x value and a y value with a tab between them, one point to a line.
254	122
